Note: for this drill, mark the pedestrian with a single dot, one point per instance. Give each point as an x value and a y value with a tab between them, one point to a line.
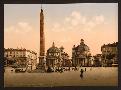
81	75
85	69
82	71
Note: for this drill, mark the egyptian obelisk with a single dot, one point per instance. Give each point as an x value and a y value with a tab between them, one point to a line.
42	39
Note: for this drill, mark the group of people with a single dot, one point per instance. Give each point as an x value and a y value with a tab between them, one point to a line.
61	69
49	69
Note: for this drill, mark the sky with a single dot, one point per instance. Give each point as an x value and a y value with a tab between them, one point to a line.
64	24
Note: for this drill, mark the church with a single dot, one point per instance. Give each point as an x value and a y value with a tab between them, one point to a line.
80	54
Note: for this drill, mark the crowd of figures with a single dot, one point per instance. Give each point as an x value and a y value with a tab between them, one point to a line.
62	69
82	70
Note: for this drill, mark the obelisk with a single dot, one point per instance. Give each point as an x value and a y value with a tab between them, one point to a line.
42	40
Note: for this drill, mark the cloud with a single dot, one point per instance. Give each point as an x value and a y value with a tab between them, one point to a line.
67	19
77	21
99	19
56	27
9	29
20	27
66	39
76	18
95	21
91	24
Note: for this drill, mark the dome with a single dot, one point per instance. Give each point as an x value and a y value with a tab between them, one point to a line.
53	49
82	47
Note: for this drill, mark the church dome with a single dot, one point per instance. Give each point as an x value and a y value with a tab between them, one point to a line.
53	49
82	47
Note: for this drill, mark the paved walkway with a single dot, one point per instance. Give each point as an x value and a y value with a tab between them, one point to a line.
100	76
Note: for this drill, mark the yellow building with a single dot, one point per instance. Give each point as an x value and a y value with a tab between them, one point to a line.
20	58
109	54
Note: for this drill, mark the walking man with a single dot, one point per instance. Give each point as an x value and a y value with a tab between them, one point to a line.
81	75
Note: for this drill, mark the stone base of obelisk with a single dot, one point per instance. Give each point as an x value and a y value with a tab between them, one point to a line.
39	69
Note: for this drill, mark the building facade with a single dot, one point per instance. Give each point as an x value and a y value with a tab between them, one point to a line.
56	57
97	62
20	58
80	54
109	54
53	56
66	62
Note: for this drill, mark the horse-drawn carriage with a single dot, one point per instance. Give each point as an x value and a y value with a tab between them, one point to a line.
17	70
